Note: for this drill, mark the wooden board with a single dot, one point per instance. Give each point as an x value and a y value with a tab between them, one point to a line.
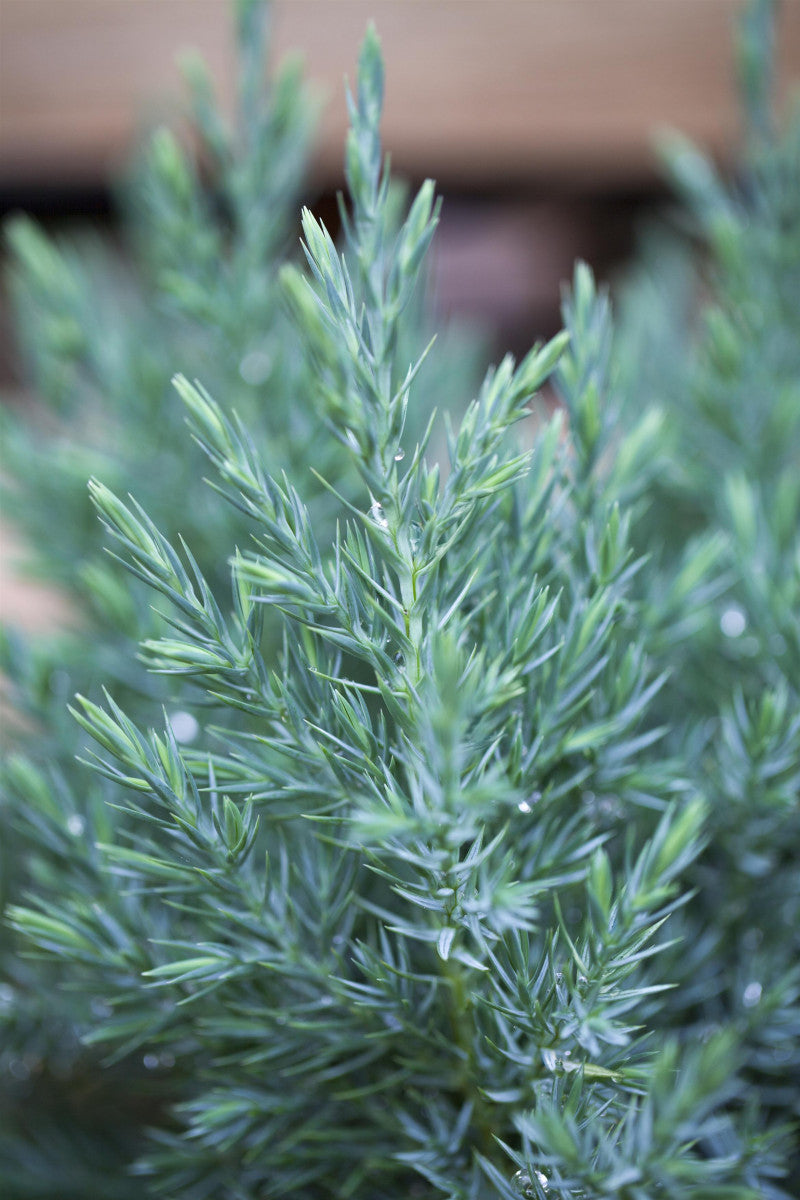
479	91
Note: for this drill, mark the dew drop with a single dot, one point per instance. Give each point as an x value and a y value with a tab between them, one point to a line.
255	367
752	994
523	1183
76	825
150	1061
610	806
733	622
184	726
376	512
399	456
526	806
18	1069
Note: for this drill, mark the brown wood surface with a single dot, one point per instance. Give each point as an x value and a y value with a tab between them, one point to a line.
478	90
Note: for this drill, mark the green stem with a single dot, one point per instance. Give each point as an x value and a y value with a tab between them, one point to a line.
462	1027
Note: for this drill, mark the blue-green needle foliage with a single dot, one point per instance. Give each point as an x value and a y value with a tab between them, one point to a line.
728	472
395	922
206	238
102	341
199	289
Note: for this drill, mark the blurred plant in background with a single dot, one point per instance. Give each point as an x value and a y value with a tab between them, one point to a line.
716	347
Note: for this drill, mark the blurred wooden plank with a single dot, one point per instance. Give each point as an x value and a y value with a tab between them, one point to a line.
79	77
478	90
517	90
